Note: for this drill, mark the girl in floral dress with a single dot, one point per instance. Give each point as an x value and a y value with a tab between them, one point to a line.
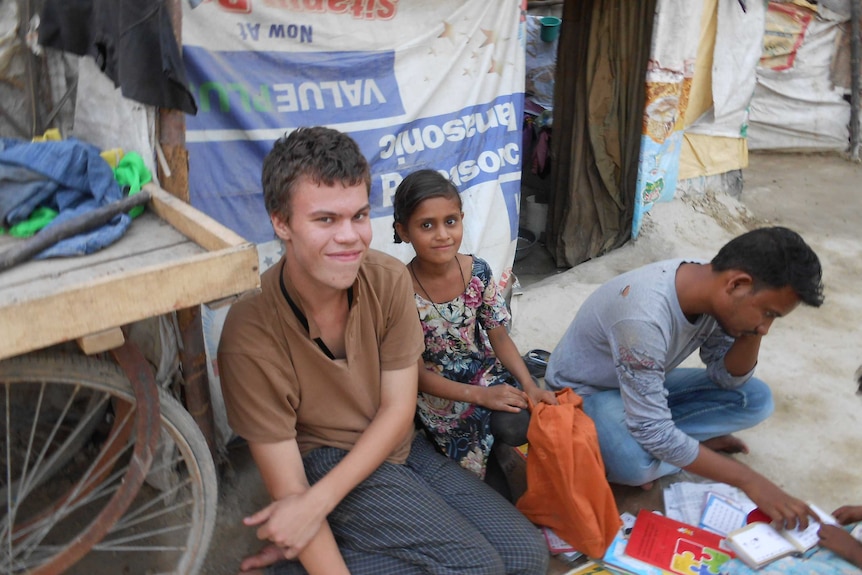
473	383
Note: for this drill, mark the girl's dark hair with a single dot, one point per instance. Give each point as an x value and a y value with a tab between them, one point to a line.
775	257
415	189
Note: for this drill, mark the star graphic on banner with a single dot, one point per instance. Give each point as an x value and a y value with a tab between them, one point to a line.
448	31
268	261
495	67
466	72
475	55
432	51
490	37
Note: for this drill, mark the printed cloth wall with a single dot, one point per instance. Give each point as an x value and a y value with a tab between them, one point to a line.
423	84
716	118
675	38
802	79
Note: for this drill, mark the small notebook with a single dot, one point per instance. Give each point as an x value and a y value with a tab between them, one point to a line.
758	544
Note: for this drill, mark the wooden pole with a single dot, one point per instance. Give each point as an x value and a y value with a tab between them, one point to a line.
24	250
172	139
855	42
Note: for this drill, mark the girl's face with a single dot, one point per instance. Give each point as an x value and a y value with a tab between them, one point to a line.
435	229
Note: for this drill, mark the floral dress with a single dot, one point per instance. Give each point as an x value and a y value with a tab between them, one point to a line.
457	347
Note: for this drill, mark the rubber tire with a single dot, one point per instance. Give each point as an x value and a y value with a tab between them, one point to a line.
107	377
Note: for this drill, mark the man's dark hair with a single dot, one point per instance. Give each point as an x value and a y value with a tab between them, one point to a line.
775	257
323	155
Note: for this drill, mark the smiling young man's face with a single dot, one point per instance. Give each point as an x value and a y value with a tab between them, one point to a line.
327	233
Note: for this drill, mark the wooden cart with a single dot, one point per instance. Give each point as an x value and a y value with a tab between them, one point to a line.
80	433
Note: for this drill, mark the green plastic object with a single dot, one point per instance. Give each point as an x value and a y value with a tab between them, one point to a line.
39	218
132	172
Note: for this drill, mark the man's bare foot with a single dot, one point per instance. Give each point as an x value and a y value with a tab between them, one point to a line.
726	444
648	485
252	564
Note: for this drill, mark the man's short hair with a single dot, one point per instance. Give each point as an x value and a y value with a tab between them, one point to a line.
775	257
323	155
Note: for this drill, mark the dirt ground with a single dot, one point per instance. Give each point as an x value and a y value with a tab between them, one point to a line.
811	445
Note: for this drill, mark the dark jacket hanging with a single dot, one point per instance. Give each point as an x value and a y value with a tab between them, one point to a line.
132	42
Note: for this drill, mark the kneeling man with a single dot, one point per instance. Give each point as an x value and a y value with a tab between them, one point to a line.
622	351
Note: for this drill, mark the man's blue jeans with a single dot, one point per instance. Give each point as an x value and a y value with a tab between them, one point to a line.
698	407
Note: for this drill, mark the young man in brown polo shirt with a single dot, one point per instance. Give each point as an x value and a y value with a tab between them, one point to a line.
319	374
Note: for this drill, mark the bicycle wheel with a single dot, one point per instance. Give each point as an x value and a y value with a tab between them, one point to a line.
46	403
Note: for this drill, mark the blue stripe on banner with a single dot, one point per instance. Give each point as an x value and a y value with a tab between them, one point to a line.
512	196
472	146
477	145
224	183
247	90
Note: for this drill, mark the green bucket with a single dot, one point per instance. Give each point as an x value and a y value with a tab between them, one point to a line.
550	28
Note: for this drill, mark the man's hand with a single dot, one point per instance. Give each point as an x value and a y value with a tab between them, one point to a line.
786	511
502	398
290	523
295	521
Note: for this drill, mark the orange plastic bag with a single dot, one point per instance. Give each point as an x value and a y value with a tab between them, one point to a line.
566	486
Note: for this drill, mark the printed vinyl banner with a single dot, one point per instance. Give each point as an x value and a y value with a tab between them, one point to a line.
422	84
676	33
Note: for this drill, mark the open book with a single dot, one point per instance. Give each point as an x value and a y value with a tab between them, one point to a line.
758	544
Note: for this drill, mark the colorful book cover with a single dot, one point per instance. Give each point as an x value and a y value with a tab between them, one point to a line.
676	546
616	559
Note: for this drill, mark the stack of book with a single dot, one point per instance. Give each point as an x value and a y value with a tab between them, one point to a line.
725	527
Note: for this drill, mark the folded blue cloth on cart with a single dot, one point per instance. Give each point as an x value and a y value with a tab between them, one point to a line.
70	177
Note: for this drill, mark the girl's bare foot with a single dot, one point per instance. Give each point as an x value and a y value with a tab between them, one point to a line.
726	444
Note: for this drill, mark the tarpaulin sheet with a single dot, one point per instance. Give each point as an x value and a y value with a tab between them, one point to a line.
796	105
423	84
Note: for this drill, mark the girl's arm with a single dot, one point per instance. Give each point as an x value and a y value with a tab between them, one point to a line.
498	397
508	354
841	543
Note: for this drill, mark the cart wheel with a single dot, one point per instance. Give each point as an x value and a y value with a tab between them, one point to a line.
47	402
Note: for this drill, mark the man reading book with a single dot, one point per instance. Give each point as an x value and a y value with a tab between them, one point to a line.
623	350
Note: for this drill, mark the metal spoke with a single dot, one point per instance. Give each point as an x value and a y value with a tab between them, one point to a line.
70	489
111	545
7	530
35	538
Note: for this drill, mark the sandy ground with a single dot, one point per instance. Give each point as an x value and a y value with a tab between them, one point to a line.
811	445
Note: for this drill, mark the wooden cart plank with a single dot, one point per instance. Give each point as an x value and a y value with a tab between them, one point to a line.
148	233
173	257
117	300
48	286
204	231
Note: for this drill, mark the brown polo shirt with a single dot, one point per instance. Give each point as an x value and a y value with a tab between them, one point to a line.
278	384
